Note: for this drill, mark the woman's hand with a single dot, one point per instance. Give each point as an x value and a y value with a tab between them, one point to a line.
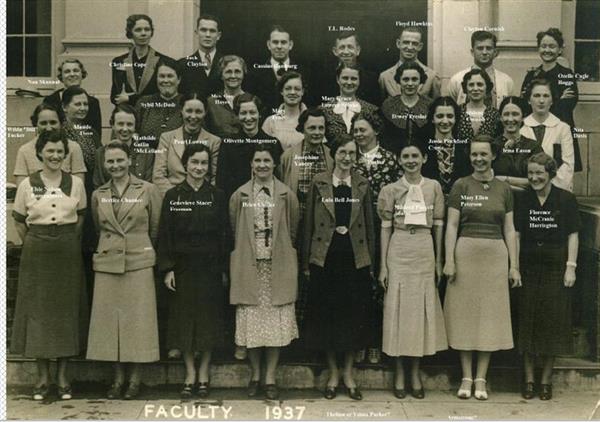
514	277
439	272
170	280
450	271
567	93
570	276
123	96
383	278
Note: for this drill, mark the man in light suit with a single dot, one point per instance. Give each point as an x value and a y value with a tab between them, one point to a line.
483	49
410	44
200	71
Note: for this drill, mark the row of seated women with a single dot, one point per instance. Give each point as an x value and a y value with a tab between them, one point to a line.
347	211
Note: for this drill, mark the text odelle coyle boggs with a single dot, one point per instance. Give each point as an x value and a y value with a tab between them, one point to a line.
180	411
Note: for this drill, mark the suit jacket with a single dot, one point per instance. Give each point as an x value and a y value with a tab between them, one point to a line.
244	279
168	169
123	76
432	87
93	118
262	82
290	166
503	85
319	222
127	238
194	78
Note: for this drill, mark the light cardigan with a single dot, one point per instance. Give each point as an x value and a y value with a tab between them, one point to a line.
557	133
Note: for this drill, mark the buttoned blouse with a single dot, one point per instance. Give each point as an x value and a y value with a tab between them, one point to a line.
392	198
40	205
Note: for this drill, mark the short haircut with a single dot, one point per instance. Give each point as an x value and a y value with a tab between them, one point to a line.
444	101
208	17
42	107
551	32
371	118
81	66
118	145
131	21
191	149
56	135
279	28
290	74
538	82
271	148
484	139
545	160
347	34
410	66
225	60
309	112
518	101
418	145
246	98
123	108
170	63
190	96
71	92
489	85
343	65
482	36
414	29
341	141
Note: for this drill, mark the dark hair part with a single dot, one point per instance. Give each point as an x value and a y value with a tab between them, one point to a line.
188	96
131	21
118	145
342	65
484	139
247	98
551	32
123	108
81	66
173	64
444	101
545	160
341	141
279	28
414	29
193	148
271	148
70	92
371	118
482	36
347	34
542	82
489	85
208	17
41	107
410	66
290	74
518	101
309	112
57	135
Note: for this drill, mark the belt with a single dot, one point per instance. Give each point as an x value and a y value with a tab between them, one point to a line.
415	230
51	229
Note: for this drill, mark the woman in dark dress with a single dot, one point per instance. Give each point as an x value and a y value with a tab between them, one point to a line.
337	254
547	224
191	256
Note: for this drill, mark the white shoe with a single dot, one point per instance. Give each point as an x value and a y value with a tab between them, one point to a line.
481	394
464	392
359	356
374	355
240	352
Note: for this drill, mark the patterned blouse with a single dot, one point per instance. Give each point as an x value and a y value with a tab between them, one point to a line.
489	126
380	168
263	219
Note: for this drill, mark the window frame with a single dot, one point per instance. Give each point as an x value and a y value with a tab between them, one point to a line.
588	91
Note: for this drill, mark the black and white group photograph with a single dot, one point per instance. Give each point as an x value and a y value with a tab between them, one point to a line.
338	210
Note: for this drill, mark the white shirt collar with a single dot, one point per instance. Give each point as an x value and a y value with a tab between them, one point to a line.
337	180
257	187
275	64
550	121
369	155
212	54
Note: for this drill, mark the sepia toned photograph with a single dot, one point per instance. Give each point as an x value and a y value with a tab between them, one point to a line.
302	210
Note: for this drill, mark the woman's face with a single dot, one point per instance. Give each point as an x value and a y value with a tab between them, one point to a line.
549	49
345	156
476	88
348	82
233	75
248	116
53	155
47	120
364	134
167	81
541	99
262	165
512	118
71	74
116	163
193	115
141	32
444	119
197	166
292	92
77	109
412	160
314	130
537	176
409	82
124	126
481	156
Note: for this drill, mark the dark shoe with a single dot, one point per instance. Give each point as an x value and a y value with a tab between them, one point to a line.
399	393
418	393
115	392
330	393
187	391
271	391
132	391
354	393
253	388
528	391
203	390
545	391
40	393
65	393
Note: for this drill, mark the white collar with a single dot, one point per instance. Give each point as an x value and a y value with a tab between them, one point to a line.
369	155
337	180
341	106
275	64
211	53
550	121
257	187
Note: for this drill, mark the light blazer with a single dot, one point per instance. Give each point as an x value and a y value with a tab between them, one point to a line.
319	222
243	270
168	169
290	168
504	86
126	239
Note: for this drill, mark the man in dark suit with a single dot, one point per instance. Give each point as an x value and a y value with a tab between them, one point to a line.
201	69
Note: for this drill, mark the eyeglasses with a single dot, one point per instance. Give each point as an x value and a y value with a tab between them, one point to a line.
346	153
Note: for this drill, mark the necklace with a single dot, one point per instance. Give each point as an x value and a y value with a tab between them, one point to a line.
485	183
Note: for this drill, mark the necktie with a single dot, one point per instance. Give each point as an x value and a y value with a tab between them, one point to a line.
281	69
539	132
208	62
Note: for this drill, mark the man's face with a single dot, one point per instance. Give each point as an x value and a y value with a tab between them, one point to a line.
346	50
279	44
484	53
208	34
409	45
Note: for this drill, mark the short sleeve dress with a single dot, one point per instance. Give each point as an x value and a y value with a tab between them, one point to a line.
477	305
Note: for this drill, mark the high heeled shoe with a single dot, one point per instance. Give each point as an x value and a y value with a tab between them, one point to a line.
203	389
330	392
528	391
399	393
133	390
479	393
354	393
466	385
545	391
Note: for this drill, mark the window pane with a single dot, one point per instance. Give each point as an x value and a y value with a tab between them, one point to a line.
38	16
37	54
587	60
14	17
586	26
14	56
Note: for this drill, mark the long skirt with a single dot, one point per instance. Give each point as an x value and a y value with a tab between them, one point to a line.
265	324
51	310
413	321
544	302
477	306
123	325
